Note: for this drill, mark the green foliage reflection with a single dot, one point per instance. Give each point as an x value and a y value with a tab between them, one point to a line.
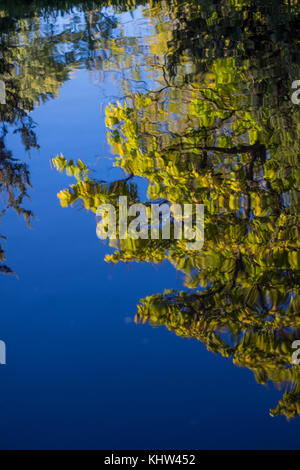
219	129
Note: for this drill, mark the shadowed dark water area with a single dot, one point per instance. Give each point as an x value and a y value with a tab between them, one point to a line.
145	343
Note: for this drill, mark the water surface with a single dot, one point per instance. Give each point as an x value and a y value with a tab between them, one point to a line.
147	344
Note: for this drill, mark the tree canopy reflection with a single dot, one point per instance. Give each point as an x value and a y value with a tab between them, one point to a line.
219	128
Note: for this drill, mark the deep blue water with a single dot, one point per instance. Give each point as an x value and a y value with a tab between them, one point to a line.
80	373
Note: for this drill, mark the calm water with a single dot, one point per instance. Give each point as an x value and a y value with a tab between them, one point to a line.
176	102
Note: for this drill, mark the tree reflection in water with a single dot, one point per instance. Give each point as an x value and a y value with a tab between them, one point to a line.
218	127
36	58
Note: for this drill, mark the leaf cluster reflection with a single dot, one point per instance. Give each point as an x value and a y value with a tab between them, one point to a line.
218	127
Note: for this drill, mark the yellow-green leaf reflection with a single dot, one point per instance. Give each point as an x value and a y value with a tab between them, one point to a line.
218	128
